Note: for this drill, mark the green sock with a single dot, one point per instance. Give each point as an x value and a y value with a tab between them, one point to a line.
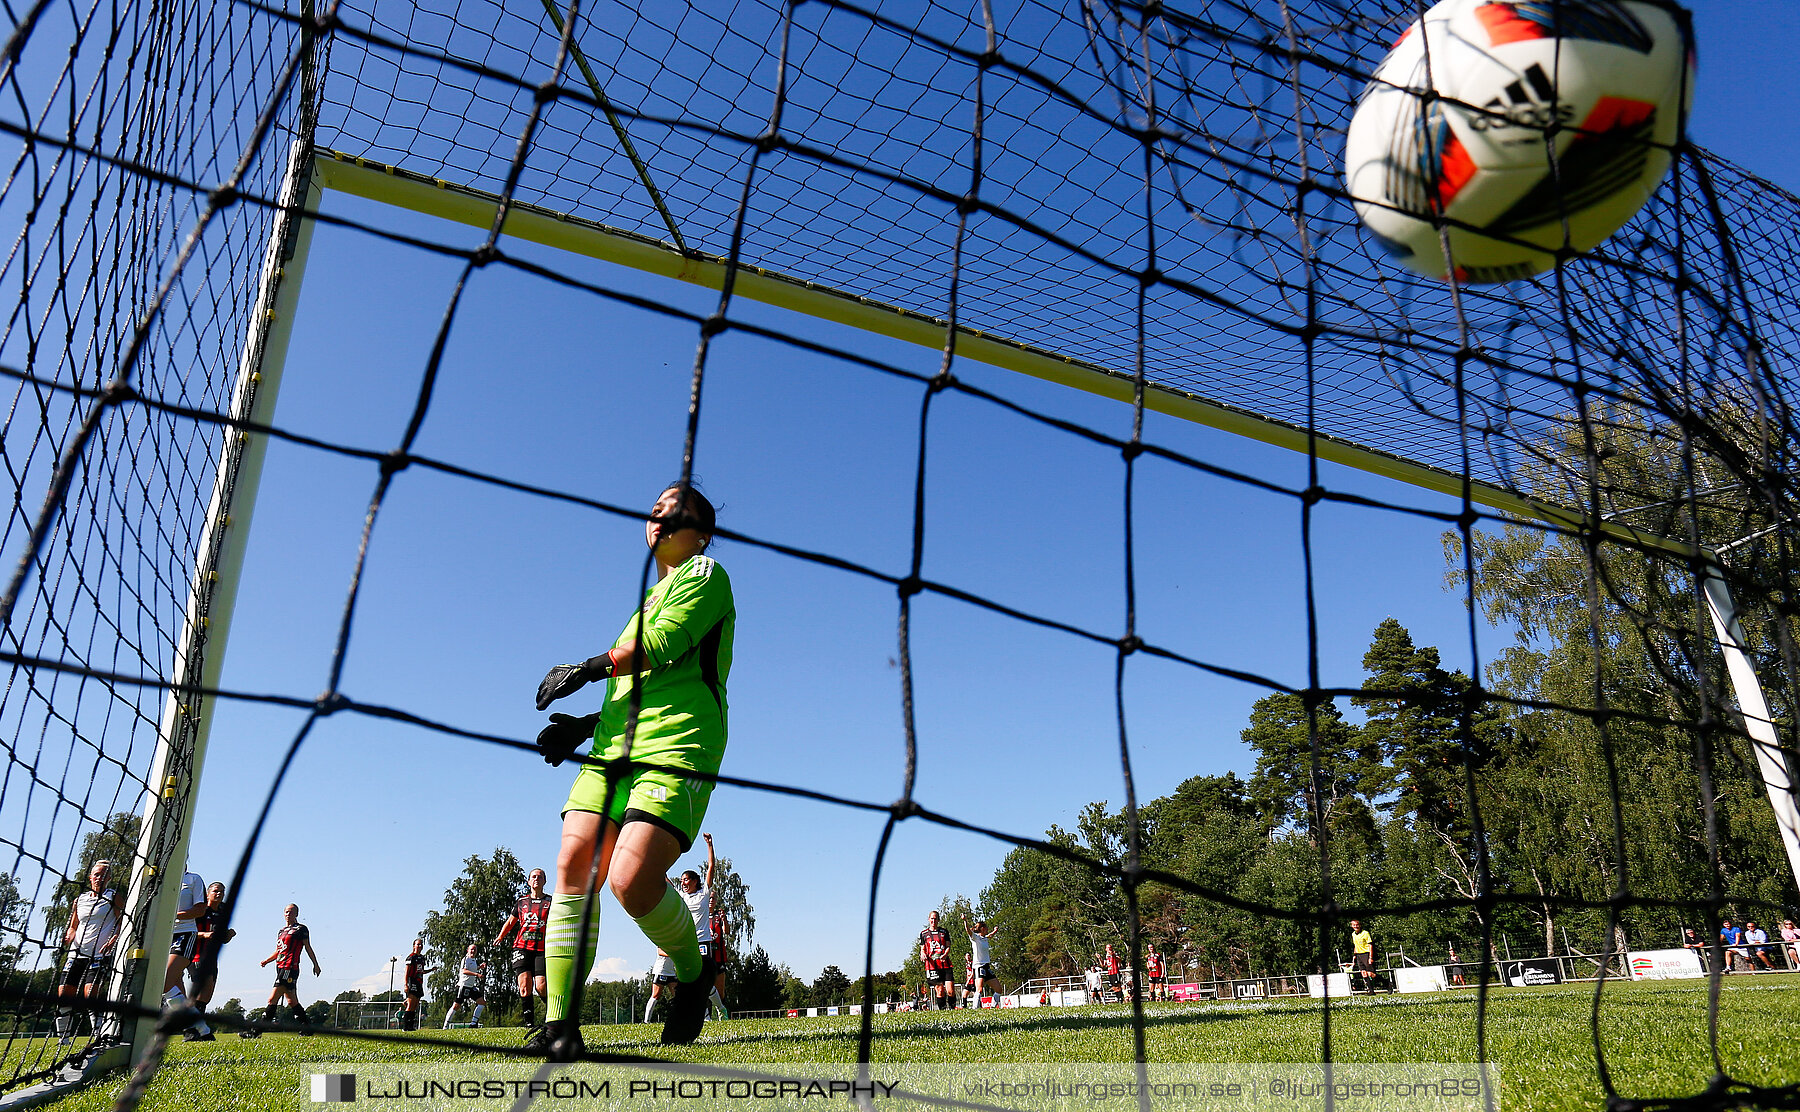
671	926
562	932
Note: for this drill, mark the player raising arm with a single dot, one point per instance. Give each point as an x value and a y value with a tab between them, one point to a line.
981	959
664	711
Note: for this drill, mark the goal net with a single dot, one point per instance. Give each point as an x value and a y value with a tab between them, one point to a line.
1143	203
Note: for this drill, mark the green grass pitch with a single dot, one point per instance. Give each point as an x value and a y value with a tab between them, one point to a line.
1654	1036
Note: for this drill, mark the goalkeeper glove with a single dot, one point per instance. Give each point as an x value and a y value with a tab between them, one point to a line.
558	741
567	679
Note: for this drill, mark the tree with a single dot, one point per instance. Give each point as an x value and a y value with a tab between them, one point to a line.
731	900
318	1013
14	911
476	905
796	993
756	983
832	987
1287	790
1619	680
230	1009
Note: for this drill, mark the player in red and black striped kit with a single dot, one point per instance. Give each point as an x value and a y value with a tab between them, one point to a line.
530	914
415	986
719	956
290	942
934	952
1153	968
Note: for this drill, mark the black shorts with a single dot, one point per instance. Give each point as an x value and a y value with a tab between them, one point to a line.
82	971
287	976
473	992
984	972
415	988
1155	980
528	961
1363	962
182	944
939	977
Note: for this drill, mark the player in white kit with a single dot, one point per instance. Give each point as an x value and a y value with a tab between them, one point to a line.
981	955
93	928
698	897
189	907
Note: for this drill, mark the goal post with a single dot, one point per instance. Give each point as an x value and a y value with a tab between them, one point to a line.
187	715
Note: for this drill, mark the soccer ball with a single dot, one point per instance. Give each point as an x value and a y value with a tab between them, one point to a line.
1605	82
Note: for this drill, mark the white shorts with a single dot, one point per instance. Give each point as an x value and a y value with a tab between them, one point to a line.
663	972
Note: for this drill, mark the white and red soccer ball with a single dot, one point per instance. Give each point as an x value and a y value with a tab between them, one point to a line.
1460	118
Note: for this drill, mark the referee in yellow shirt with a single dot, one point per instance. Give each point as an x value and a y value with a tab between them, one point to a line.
1362	958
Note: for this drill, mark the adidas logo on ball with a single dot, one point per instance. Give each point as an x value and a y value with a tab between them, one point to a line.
1528	103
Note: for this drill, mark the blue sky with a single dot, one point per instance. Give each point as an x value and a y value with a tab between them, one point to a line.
470	593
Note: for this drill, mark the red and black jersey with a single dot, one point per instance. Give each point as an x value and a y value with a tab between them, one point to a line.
1153	963
934	948
532	916
208	926
1112	963
718	942
289	941
415	969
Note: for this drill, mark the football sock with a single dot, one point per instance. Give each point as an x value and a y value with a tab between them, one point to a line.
175	998
65	1023
649	1009
526	1000
562	930
449	1016
719	1003
476	1018
299	1014
671	926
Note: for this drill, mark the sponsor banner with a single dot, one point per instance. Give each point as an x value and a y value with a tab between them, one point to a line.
1071	998
1337	983
1531	971
1420	978
820	1087
1189	992
1249	990
1665	965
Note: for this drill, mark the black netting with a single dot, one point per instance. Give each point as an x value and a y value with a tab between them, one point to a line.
1150	190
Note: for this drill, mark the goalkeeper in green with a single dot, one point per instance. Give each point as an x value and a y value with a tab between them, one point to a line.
665	712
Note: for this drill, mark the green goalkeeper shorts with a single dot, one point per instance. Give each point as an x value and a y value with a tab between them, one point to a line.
664	797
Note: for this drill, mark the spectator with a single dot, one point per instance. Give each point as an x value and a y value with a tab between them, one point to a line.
1455	968
1733	938
1691	940
1758	940
1790	938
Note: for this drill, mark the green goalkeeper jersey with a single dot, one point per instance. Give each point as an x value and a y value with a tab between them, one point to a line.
687	626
